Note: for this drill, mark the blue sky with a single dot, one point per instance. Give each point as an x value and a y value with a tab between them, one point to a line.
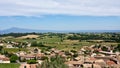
60	14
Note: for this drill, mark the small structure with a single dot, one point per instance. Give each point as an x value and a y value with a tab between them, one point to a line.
1	44
74	64
4	59
27	57
9	46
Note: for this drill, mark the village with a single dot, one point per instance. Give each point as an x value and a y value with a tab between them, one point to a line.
93	56
59	33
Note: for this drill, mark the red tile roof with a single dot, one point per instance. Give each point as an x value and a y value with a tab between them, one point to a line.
5	59
110	62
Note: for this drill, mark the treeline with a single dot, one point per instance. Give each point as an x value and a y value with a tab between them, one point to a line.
17	34
24	34
107	37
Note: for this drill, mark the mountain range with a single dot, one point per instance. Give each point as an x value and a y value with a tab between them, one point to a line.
23	30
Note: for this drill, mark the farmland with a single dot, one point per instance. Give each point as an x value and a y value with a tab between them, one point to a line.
11	65
63	41
32	48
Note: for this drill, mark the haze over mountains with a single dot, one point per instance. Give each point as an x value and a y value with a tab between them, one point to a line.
23	30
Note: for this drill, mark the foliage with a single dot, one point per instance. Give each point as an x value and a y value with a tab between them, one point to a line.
17	34
36	44
117	48
107	37
31	61
13	58
1	47
104	48
54	62
46	41
41	45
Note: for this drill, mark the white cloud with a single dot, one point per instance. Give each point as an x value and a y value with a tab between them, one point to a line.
65	7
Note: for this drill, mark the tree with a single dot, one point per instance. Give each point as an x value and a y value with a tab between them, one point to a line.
54	62
104	48
34	44
40	44
117	48
13	58
1	47
31	61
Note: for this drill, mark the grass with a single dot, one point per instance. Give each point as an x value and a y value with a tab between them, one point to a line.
13	50
55	41
9	65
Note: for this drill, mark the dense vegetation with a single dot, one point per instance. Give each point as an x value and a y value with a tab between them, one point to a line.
67	42
53	62
107	37
17	34
13	58
62	41
31	61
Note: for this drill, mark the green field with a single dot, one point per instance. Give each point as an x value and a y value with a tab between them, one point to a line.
13	50
56	42
11	65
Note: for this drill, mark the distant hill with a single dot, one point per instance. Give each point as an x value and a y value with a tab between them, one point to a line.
22	30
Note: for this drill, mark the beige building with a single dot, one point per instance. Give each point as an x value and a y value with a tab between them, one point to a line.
4	59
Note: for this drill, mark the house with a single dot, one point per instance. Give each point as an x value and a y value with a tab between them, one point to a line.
96	66
40	61
4	59
108	53
1	44
93	54
27	57
91	66
55	50
110	63
29	45
89	60
39	56
79	58
37	50
28	66
9	46
87	65
74	64
21	53
31	56
100	62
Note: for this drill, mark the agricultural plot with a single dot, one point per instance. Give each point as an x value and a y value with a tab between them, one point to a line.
10	65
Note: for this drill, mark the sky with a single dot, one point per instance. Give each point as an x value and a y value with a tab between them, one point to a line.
60	14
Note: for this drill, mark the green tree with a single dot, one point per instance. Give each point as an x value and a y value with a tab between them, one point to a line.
54	62
1	47
104	48
34	44
31	61
13	58
117	48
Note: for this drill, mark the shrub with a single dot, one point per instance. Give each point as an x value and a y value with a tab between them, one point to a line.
31	61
